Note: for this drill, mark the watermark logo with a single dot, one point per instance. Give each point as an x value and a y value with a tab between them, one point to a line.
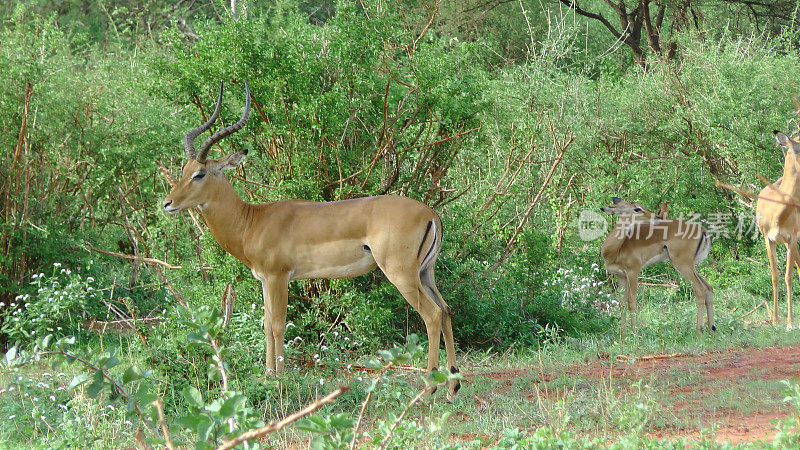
591	225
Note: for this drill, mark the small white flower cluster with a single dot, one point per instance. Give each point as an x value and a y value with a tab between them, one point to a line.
57	299
578	288
41	395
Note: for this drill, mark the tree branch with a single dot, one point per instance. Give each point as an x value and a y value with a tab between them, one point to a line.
288	420
599	17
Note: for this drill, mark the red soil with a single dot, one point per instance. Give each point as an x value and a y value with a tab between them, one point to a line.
688	382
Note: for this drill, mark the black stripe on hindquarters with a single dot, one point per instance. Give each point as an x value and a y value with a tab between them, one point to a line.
427	230
432	247
702	236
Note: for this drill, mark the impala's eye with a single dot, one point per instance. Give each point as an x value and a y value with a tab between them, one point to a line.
637	209
199	176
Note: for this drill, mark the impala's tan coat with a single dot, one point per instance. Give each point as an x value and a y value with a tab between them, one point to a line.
778	217
297	239
640	239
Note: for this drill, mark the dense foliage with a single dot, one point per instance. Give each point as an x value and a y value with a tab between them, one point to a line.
509	118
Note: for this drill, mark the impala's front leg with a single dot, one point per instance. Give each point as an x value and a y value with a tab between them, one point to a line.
269	356
623	307
275	289
632	283
276	294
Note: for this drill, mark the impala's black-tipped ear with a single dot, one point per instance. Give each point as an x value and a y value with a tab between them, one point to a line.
227	162
615	200
782	138
245	151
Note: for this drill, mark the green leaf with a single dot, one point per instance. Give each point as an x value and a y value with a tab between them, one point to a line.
373	363
145	397
98	383
111	362
438	377
64	342
131	374
386	355
78	380
342	421
231	406
192	421
195	338
193	396
372	385
46	341
204	428
12	353
314	424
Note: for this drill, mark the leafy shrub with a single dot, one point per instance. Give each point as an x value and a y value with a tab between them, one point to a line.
59	305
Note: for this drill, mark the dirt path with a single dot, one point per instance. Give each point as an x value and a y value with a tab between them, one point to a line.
734	391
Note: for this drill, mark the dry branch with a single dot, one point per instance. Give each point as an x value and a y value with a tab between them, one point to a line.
512	241
288	420
132	257
763	303
749	194
624	358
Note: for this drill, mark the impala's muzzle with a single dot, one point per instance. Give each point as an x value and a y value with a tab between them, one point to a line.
168	207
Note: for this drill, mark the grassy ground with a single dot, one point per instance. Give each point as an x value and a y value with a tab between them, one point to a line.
661	386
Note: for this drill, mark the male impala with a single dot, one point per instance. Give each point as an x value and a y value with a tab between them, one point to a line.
640	239
297	239
779	221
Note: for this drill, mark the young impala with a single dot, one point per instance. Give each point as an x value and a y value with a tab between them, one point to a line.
297	239
640	238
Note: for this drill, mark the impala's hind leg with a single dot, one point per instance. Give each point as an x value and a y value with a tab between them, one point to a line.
791	258
429	283
412	290
406	277
709	302
702	293
773	269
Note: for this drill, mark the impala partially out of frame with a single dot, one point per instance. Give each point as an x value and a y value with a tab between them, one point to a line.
778	217
298	239
641	238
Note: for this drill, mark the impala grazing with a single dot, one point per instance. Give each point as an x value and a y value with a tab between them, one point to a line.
640	239
297	239
778	219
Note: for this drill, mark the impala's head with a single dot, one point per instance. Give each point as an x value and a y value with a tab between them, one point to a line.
620	206
201	175
790	144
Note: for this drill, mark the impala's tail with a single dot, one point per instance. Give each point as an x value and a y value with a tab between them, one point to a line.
431	244
703	247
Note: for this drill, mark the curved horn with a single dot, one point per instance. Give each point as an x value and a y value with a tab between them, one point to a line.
214	138
188	138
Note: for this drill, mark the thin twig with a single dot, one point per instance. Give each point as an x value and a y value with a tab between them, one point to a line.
288	420
413	402
110	380
763	302
749	194
364	406
133	257
159	404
